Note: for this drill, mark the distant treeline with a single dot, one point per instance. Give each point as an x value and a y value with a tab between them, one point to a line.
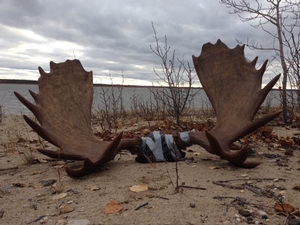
12	81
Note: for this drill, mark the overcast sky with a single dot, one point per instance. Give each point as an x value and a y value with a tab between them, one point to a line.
111	36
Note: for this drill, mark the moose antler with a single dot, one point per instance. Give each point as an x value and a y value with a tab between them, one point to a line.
63	109
233	86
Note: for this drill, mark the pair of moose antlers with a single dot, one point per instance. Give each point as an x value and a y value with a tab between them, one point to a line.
232	84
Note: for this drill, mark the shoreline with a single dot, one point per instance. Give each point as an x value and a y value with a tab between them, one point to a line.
35	82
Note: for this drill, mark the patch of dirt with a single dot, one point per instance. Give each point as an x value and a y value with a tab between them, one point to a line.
35	189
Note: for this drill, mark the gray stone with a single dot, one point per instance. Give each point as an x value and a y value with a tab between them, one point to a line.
294	222
78	222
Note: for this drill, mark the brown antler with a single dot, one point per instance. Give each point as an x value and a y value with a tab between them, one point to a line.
63	109
233	86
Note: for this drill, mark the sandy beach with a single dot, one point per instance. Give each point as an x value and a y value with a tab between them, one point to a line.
202	189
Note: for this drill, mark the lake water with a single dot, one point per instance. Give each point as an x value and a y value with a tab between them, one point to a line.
11	105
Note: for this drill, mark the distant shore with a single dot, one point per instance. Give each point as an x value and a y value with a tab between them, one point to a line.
13	81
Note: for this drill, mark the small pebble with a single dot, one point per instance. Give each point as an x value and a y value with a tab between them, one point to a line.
263	214
275	145
249	220
193	205
264	217
61	222
294	222
272	160
43	220
78	222
244	213
270	185
48	182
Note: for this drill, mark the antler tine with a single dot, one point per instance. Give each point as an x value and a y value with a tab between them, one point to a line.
41	131
42	72
269	86
239	49
253	62
27	103
89	166
238	157
264	92
263	68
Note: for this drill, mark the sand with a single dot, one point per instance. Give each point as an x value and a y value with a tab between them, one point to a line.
35	189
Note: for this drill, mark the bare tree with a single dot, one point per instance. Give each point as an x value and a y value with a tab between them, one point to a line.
174	75
284	16
291	36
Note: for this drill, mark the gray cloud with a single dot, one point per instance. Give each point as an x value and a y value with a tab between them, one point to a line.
112	36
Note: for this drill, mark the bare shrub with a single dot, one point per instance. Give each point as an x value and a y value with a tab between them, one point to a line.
112	109
176	78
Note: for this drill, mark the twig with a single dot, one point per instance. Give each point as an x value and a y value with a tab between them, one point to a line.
191	187
288	216
221	197
286	220
227	185
176	186
295	212
38	219
170	178
176	168
157	196
141	206
248	179
253	189
226	208
177	176
234	199
1	213
8	170
222	183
